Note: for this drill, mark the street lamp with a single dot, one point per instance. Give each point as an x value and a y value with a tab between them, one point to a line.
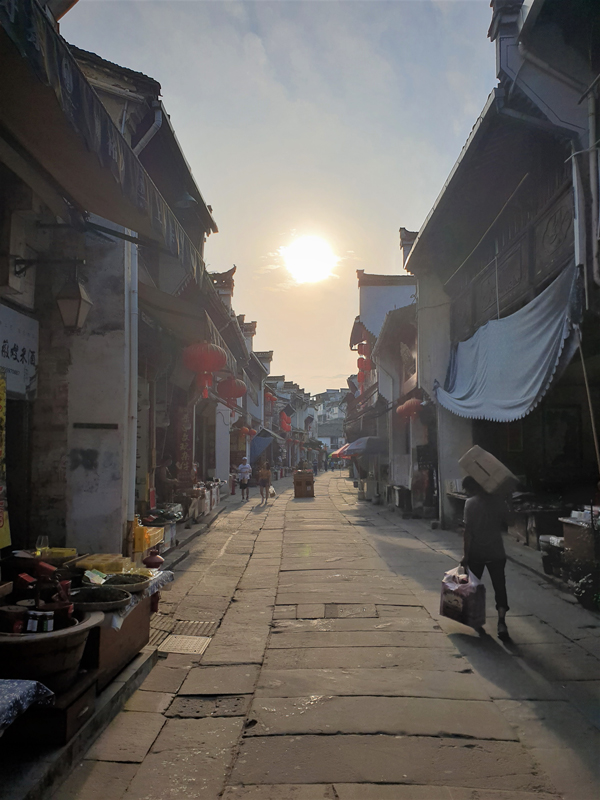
74	304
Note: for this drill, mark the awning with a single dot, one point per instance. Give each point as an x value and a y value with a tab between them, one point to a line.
261	441
503	371
339	453
56	118
258	445
367	446
184	320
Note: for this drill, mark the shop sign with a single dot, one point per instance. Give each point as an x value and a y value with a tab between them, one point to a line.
4	526
19	337
185	444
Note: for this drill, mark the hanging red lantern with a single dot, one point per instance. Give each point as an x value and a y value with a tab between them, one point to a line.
231	388
361	377
364	349
252	432
409	409
361	363
204	358
244	431
204	381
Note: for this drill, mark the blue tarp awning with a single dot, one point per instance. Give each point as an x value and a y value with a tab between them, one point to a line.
367	446
504	370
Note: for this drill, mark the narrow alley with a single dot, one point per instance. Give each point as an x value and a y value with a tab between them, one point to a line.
331	674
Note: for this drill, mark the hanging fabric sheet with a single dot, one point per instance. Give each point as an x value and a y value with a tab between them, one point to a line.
503	371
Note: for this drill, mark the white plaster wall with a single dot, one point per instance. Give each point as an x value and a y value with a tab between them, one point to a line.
98	393
433	313
222	421
376	301
455	437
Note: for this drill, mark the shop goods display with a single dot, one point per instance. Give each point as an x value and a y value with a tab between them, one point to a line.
100	598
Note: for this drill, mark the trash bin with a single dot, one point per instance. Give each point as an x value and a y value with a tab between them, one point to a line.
304	483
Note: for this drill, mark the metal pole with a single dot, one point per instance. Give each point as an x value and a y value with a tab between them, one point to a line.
496	267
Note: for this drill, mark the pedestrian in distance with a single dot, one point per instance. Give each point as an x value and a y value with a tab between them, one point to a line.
164	483
315	466
244	472
264	481
486	517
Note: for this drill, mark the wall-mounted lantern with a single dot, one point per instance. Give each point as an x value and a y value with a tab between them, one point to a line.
74	304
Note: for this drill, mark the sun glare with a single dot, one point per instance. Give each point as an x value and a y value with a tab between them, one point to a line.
309	259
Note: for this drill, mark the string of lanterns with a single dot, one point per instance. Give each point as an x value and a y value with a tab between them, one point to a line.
364	363
204	358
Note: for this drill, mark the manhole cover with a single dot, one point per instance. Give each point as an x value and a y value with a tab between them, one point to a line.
185	644
160	622
187	628
157	637
209	707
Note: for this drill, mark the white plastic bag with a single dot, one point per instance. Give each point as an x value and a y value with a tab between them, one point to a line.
272	492
463	598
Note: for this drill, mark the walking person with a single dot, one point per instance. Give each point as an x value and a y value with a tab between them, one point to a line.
244	472
164	483
486	517
315	466
264	481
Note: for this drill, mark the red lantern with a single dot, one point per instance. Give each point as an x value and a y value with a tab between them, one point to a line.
252	432
231	388
361	363
409	409
244	431
361	377
364	349
203	382
204	358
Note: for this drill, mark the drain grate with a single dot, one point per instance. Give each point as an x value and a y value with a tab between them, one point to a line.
157	637
188	628
160	622
195	645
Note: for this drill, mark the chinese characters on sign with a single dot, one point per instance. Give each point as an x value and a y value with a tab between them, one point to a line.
4	526
185	445
18	350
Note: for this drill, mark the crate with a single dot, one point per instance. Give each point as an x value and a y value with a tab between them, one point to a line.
146	537
304	484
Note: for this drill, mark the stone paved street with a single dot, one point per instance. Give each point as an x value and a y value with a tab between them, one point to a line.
331	674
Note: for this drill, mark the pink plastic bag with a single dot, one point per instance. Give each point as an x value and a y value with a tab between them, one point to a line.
463	598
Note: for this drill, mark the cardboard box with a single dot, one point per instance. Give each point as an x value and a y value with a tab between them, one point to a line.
489	473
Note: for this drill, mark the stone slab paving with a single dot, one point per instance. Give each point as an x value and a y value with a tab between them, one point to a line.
392	682
402	716
412	658
387	759
332	677
221	680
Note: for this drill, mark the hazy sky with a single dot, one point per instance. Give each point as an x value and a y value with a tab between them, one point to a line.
337	119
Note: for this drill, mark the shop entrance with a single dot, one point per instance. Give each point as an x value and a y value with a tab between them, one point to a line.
18	486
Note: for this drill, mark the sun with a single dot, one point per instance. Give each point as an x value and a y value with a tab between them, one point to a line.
309	259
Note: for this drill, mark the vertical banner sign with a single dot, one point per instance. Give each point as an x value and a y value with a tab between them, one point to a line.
4	526
185	444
